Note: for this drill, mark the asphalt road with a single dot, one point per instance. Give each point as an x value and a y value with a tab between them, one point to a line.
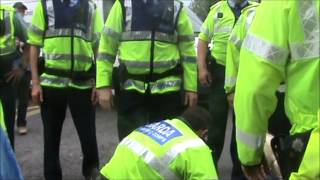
29	148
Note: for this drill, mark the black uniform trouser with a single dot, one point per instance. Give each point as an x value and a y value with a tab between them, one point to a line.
136	109
53	111
218	108
279	122
23	98
7	95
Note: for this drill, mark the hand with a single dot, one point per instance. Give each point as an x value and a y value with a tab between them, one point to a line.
204	77
191	99
230	99
255	172
36	93
105	98
14	76
94	96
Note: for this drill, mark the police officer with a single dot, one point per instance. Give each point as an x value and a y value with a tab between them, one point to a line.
12	26
285	48
68	31
154	42
216	29
169	149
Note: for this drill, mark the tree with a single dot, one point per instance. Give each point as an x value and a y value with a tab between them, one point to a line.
202	7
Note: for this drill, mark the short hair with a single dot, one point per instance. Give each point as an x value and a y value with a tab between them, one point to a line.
197	117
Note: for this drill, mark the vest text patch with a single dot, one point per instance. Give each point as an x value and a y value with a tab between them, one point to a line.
161	132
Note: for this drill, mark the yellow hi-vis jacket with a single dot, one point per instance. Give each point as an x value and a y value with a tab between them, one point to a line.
217	28
234	46
148	52
164	150
282	45
68	51
7	37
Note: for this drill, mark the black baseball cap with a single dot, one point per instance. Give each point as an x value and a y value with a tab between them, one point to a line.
20	5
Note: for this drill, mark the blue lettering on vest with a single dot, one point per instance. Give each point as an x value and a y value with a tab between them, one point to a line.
161	132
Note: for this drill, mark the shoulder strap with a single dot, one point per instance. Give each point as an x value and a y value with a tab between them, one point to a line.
45	13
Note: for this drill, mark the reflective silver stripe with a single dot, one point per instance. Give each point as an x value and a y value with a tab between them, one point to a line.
166	37
181	147
177	6
60	81
146	64
67	32
206	32
68	57
222	30
186	38
165	85
310	49
110	32
7	50
135	35
128	19
189	59
150	158
254	141
236	40
36	30
132	83
107	57
50	14
230	81
249	19
265	49
146	35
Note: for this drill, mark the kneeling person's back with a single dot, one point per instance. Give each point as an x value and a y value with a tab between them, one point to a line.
169	149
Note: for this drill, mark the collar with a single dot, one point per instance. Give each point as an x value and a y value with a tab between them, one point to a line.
232	3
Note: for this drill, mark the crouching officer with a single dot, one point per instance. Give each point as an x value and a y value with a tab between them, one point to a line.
169	149
68	31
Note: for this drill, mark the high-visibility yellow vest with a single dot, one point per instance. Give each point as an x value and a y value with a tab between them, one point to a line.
163	150
69	36
148	47
217	28
234	46
7	38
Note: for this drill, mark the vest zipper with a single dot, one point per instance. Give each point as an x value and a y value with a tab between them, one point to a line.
151	57
72	53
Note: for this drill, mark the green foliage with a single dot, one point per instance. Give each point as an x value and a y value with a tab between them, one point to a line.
202	7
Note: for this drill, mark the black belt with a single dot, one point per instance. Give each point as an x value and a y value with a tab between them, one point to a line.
176	71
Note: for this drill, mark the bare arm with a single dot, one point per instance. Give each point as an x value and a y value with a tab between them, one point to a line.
204	74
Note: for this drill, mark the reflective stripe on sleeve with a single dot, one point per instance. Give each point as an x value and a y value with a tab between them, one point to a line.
253	141
189	59
36	30
236	41
265	50
111	33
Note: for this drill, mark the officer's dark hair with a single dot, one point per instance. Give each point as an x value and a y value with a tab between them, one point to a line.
196	117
